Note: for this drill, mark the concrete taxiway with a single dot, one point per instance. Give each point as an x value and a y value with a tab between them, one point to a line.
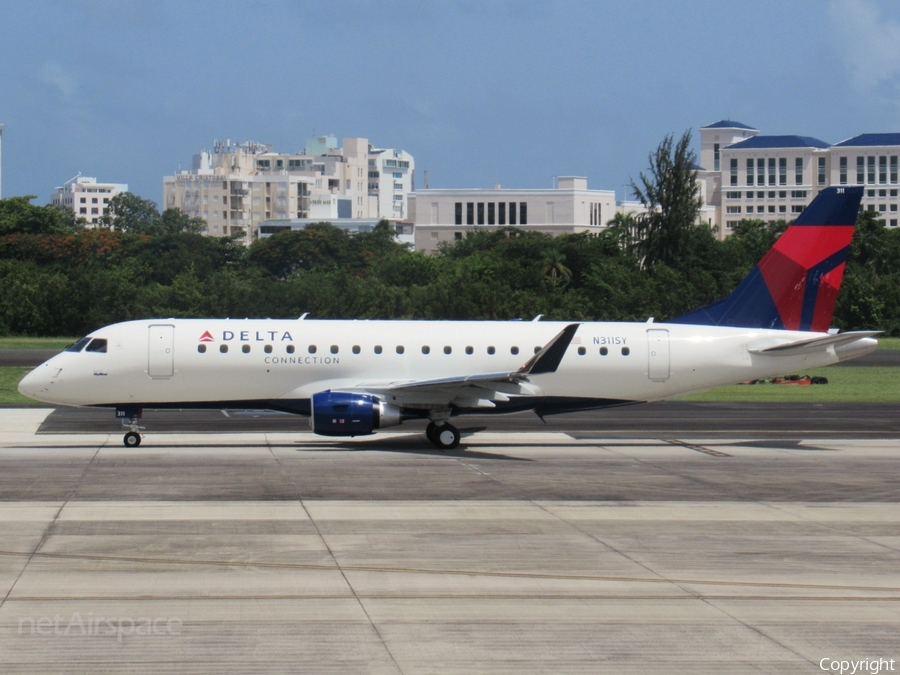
539	551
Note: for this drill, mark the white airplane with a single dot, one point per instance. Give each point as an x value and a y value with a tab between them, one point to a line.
353	377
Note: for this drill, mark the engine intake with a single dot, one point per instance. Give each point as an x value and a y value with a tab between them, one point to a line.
336	413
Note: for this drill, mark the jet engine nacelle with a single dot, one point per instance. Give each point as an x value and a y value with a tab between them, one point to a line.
336	413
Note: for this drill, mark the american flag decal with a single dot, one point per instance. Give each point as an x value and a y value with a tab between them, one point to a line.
576	340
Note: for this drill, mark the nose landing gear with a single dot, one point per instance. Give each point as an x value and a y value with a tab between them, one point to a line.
130	417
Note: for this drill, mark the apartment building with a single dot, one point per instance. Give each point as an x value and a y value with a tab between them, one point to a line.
749	175
236	187
87	198
870	160
446	214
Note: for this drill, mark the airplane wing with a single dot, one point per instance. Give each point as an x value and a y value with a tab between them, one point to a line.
810	345
481	389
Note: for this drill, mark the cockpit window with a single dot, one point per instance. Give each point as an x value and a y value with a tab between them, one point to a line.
78	346
97	345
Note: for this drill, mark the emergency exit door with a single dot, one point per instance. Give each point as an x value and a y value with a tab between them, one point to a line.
161	361
658	354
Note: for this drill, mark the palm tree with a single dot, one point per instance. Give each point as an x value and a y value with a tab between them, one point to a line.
554	266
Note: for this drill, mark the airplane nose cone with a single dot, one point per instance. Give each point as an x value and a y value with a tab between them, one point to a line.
36	384
28	385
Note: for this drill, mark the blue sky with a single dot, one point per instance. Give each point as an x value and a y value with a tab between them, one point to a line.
480	92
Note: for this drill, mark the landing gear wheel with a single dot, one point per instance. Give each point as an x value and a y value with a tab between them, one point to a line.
429	432
132	439
445	437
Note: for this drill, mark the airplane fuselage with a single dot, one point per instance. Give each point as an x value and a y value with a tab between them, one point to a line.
196	361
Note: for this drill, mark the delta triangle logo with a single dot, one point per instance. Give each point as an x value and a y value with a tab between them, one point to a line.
207	337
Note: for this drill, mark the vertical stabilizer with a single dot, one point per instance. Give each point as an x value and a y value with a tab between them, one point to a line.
795	285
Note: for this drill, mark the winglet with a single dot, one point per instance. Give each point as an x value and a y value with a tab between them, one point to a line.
547	360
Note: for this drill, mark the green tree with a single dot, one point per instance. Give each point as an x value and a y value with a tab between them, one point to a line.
554	265
129	213
176	221
626	230
671	195
19	215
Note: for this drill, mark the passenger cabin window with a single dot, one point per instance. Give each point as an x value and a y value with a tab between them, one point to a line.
334	349
582	351
377	349
400	349
448	350
537	348
290	349
604	351
267	349
356	349
223	349
491	350
201	349
513	350
245	349
625	351
312	349
97	345
78	346
426	349
469	350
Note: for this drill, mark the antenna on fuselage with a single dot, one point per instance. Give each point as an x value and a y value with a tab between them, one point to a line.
303	316
537	318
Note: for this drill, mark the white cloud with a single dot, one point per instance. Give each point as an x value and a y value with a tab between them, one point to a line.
870	42
66	82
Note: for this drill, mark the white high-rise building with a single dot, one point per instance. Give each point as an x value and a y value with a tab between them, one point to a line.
237	187
87	198
753	176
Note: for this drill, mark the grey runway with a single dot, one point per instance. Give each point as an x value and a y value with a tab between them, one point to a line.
520	552
665	419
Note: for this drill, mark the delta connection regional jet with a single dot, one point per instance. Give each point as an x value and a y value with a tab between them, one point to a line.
353	377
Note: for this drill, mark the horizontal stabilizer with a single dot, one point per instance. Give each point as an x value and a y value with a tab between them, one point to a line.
810	345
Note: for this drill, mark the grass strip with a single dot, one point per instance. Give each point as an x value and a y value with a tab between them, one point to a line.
9	381
845	384
35	342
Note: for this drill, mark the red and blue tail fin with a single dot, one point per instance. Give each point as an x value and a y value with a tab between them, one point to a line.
795	285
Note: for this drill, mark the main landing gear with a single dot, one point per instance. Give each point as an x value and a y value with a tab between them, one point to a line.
444	435
130	418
